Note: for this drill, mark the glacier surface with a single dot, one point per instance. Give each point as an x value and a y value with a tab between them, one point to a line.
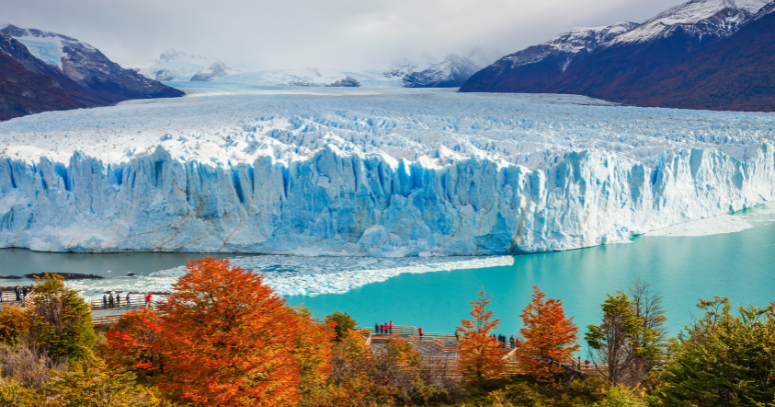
365	172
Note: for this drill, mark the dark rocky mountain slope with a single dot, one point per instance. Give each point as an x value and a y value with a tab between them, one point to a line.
24	91
642	65
80	70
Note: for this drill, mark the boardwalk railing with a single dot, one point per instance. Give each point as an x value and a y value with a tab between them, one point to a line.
135	301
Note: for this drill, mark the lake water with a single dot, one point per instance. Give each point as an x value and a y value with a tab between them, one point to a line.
739	265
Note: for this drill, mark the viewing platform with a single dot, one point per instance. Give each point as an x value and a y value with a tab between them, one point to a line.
438	349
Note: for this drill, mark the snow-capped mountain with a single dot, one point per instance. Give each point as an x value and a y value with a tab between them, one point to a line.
174	65
25	84
451	72
612	62
312	77
566	46
214	71
703	19
88	67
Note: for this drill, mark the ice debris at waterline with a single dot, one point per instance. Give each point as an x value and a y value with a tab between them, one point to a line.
705	227
404	173
293	275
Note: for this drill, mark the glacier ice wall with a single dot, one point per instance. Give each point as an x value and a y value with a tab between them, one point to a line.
333	202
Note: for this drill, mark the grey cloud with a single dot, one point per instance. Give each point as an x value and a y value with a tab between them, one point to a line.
252	35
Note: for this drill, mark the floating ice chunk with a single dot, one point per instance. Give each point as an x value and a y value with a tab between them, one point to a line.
705	227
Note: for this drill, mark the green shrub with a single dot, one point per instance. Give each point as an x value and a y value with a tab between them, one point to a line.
520	391
723	359
61	320
621	396
344	322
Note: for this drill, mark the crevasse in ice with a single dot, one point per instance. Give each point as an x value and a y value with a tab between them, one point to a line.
397	174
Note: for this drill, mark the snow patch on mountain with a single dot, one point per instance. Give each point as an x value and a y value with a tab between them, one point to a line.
310	77
452	71
567	45
719	18
175	65
46	46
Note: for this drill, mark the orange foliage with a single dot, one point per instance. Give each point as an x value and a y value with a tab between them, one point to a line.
15	322
481	355
549	337
131	342
313	354
228	340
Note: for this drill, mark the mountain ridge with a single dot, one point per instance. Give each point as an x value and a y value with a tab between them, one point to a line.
630	61
88	67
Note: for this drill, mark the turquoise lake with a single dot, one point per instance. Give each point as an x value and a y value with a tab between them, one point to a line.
738	265
683	269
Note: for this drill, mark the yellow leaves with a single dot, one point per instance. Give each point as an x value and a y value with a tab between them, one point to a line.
15	322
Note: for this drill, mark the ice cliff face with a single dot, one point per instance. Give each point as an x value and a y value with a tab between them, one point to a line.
279	193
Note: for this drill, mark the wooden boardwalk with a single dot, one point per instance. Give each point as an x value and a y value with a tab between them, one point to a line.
438	350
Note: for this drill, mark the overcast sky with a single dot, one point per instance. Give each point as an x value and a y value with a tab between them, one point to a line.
351	34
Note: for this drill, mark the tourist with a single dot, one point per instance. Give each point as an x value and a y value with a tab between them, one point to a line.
512	342
128	301
18	294
110	300
586	363
376	328
24	293
457	334
390	327
384	329
148	300
118	300
419	331
104	301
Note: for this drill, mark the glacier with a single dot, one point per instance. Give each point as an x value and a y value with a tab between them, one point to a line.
364	172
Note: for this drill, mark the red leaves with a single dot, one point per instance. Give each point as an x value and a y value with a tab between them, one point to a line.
131	342
228	340
548	337
481	355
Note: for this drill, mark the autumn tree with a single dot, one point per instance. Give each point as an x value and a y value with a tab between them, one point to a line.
549	338
61	319
405	371
89	382
353	382
227	339
313	352
132	343
481	355
15	323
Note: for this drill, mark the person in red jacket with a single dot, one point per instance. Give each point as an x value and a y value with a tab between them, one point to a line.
419	330
148	300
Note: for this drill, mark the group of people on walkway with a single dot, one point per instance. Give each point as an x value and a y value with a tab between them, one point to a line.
21	294
108	301
510	342
383	328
